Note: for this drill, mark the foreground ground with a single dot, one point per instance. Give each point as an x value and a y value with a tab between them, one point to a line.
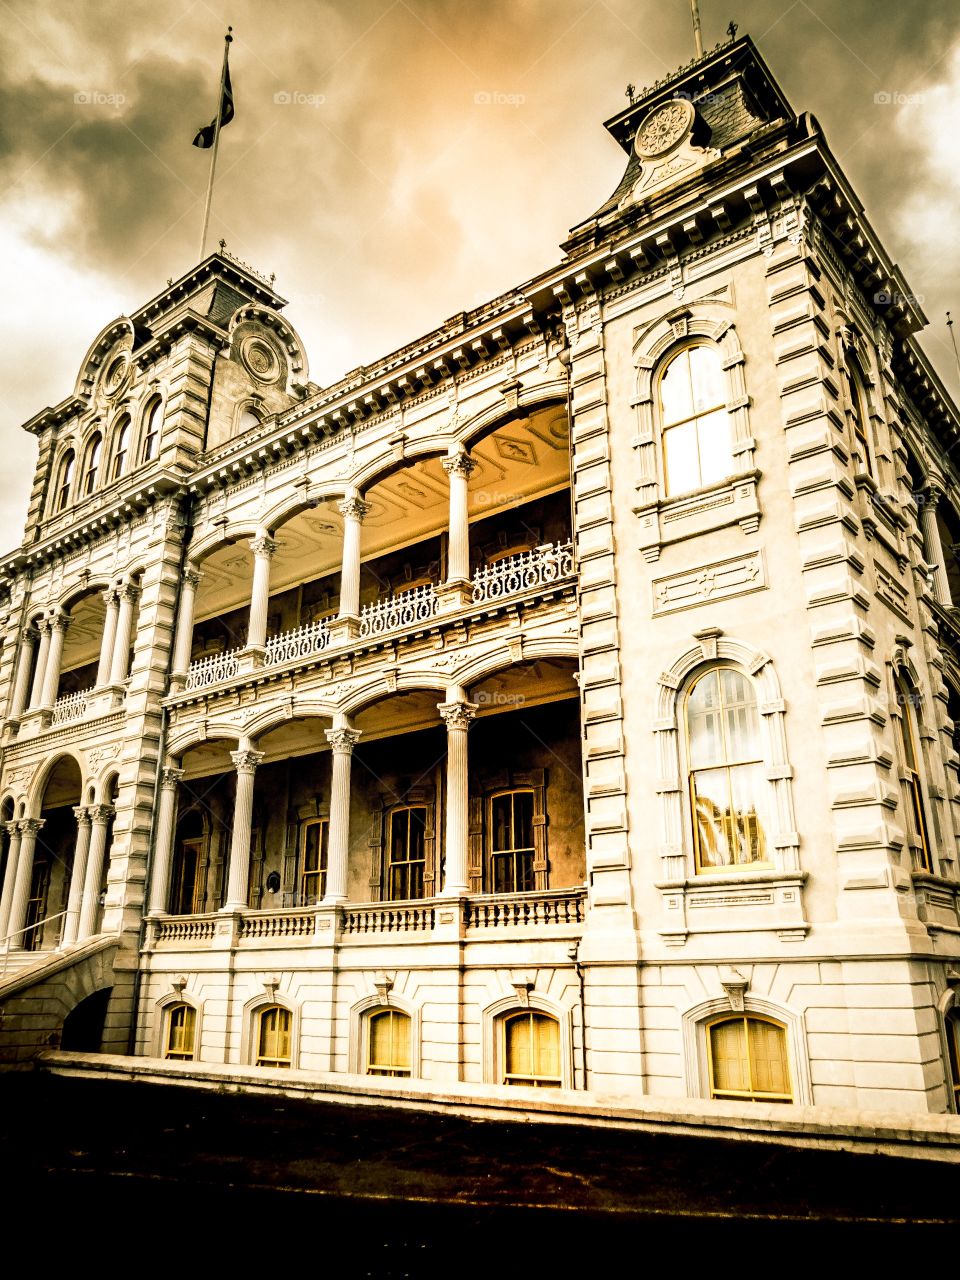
383	1192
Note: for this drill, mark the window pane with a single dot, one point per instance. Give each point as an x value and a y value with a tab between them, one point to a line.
676	397
417	819
728	1050
741	721
715	826
547	1043
520	1046
501	823
716	455
746	835
703	722
680	458
523	820
706	376
389	1044
768	1057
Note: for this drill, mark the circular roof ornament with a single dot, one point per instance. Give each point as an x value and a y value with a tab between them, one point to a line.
115	374
260	359
664	128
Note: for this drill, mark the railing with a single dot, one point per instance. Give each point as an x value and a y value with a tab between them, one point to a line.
18	953
399	611
523	572
187	929
207	671
304	642
560	906
406	918
276	924
72	706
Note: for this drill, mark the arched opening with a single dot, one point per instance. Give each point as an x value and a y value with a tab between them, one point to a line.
748	1059
274	1026
82	643
53	857
388	1043
121	447
531	1050
6	868
91	464
150	432
64	481
247	419
83	1026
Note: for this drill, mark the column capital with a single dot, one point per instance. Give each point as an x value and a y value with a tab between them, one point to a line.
59	621
192	577
933	491
263	545
459	464
12	827
100	814
110	597
353	508
41	626
82	813
171	777
31	826
457	715
246	761
343	741
29	633
128	591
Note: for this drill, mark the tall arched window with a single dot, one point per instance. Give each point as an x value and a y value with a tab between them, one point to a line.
273	1037
121	446
64	480
859	420
151	431
181	1032
695	425
908	700
531	1050
747	1057
511	842
247	420
726	774
91	463
388	1044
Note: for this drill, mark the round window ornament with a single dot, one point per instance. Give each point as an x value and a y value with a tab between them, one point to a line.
115	373
260	359
664	128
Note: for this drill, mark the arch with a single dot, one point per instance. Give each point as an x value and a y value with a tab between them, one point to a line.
387	463
150	427
220	537
106	786
489	663
359	1013
63	482
39	784
195	735
72	595
92	362
121	440
486	420
382	686
250	1024
288	507
92	455
179	995
519	1001
694	1021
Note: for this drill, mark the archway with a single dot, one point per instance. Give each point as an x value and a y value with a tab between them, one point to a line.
49	884
83	1025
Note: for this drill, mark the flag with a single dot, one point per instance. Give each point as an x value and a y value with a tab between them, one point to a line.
204	138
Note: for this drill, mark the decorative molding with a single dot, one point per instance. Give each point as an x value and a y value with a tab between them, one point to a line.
717	581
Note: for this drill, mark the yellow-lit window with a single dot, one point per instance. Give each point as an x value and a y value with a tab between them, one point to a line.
406	853
91	464
696	428
726	774
511	842
151	432
953	1049
861	441
388	1051
531	1052
313	860
188	882
916	814
64	480
748	1059
273	1041
181	1030
120	447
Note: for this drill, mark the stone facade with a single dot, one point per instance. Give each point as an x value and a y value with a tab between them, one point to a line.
370	710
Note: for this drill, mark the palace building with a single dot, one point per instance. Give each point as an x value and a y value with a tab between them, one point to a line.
569	699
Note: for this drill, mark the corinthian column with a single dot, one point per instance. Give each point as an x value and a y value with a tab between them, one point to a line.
245	761
28	639
29	830
51	676
71	927
353	509
184	641
458	716
43	628
9	876
342	741
458	468
100	815
128	594
111	600
170	780
932	545
263	547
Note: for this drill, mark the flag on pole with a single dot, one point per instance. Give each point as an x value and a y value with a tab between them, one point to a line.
205	136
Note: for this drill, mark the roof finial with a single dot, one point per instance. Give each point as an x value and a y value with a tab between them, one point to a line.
732	30
631	90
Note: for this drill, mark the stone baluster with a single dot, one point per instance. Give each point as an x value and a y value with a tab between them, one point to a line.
342	740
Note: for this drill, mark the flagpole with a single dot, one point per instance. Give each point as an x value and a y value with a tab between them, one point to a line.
227	39
698	40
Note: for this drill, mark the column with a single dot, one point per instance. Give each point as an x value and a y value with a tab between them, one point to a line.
457	715
100	815
112	602
263	547
246	761
932	546
51	676
353	509
43	628
183	644
21	687
29	830
9	876
342	740
458	468
128	595
81	852
170	780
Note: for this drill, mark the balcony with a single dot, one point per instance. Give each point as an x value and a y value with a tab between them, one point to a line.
70	708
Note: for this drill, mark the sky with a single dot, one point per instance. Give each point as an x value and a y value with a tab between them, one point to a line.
397	161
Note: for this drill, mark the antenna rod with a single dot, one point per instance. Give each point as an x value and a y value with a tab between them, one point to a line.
698	40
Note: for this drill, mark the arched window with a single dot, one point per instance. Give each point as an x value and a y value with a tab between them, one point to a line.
388	1044
64	480
531	1050
121	445
314	836
181	1032
406	853
726	773
908	700
151	431
858	416
91	463
247	420
953	1052
273	1036
695	425
511	841
748	1059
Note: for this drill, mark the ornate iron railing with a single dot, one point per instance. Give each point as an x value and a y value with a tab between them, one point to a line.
559	906
526	571
399	612
278	924
405	918
72	706
303	642
212	670
187	929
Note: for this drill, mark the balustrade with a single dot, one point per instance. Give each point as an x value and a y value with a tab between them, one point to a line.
523	572
213	670
71	707
562	906
399	612
303	642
